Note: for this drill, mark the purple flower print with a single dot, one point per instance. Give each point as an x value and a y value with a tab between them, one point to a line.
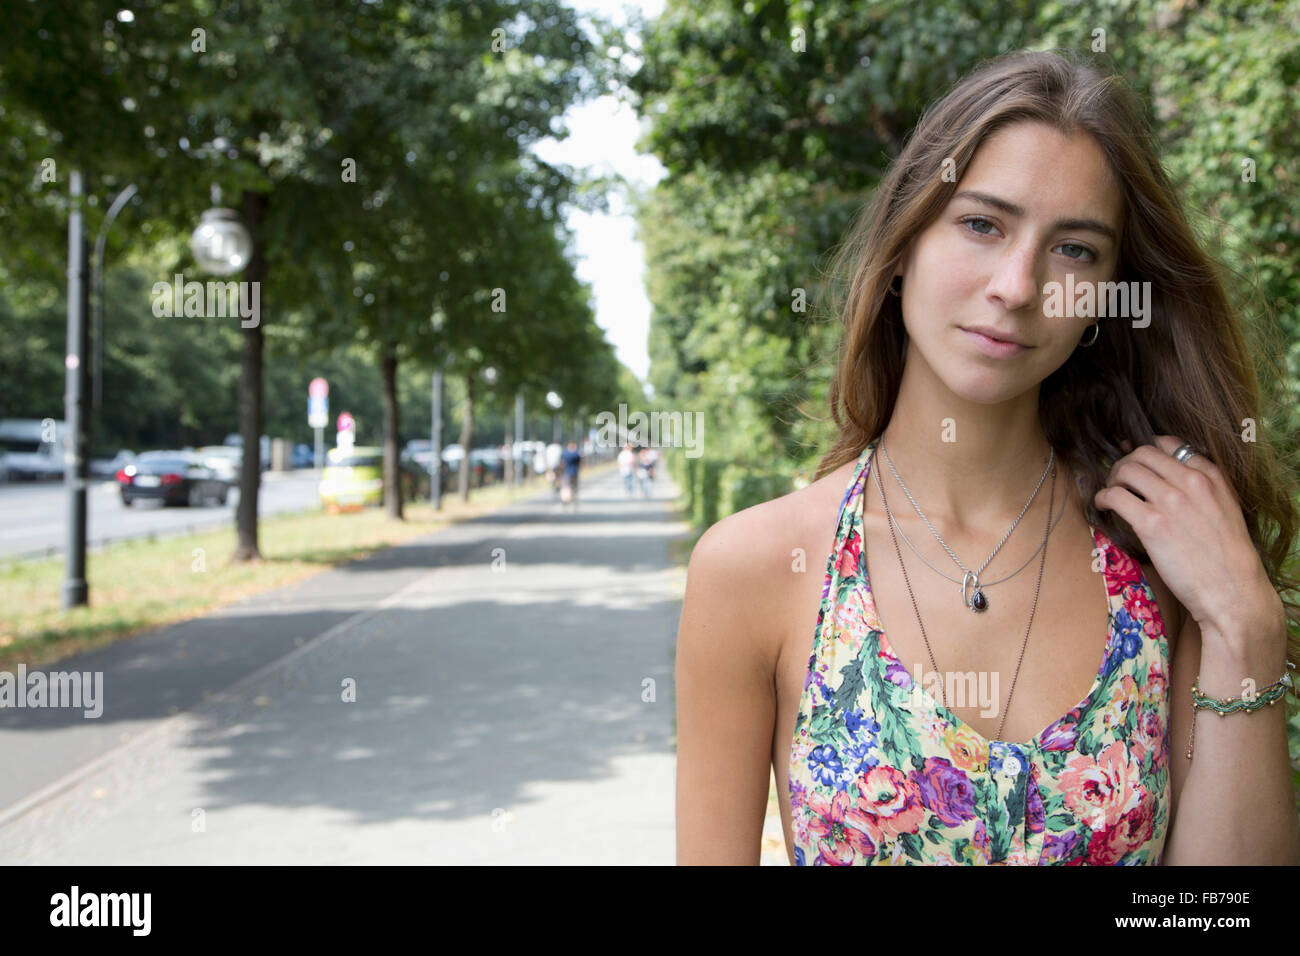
1059	847
945	790
798	794
896	673
1033	808
1062	734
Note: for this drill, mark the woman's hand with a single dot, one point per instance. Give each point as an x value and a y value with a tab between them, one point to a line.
1193	529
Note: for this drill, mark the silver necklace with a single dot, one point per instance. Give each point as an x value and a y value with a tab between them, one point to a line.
977	601
989	584
1023	644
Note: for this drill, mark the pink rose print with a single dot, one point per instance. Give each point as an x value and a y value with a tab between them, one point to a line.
1144	610
891	802
837	830
1100	790
1121	569
1107	847
848	559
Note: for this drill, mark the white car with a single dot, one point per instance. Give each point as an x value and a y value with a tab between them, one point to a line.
225	460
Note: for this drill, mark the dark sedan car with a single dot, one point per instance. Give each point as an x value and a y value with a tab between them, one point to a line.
172	477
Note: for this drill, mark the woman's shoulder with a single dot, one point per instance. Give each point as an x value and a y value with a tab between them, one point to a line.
745	572
748	557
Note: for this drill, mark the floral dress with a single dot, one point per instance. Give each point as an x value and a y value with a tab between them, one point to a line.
880	773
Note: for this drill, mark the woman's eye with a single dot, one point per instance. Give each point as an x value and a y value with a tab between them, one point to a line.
970	224
1085	250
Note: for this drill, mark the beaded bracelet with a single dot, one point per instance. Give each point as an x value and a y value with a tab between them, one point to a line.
1230	705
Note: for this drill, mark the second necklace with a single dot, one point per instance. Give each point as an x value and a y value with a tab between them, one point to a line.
977	601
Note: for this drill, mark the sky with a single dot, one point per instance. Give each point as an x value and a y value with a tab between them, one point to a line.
602	135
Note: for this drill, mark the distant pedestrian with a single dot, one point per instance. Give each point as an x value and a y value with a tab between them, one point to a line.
627	467
553	455
643	465
571	459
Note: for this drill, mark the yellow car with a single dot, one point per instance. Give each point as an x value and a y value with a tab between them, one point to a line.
352	480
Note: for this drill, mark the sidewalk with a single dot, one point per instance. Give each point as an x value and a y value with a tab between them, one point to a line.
497	692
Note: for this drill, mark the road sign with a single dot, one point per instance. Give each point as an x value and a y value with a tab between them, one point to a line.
318	388
318	411
347	432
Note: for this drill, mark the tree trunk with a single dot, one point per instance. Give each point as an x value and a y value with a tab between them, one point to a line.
392	432
250	389
466	431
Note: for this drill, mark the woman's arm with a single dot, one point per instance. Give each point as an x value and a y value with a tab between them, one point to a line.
726	702
1233	800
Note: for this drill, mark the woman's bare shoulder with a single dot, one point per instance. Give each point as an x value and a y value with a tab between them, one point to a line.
745	559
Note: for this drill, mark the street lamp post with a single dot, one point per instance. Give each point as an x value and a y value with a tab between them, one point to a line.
435	480
556	404
75	591
222	246
97	271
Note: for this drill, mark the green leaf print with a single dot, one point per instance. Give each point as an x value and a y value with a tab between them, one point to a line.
821	725
911	845
896	737
998	829
850	687
1059	821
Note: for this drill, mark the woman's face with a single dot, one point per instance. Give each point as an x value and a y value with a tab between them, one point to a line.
984	263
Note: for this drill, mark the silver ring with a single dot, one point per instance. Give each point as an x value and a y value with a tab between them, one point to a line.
1184	452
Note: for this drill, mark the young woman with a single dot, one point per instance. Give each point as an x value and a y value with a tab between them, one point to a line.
974	638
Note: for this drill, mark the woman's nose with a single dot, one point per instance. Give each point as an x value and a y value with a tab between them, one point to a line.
1016	280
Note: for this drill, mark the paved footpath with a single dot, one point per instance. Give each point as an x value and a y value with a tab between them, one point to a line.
497	692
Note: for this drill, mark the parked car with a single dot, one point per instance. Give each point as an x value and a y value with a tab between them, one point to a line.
225	460
488	465
173	477
352	479
109	467
25	454
235	440
303	456
417	480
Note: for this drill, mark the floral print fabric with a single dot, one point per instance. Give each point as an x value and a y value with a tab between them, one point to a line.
881	773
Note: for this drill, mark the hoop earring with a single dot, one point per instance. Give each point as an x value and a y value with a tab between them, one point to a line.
899	290
1096	330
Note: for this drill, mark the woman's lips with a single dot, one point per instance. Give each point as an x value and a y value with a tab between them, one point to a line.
994	347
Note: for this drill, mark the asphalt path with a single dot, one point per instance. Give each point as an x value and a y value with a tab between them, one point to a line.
497	692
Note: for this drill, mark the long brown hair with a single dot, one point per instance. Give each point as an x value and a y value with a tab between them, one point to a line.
1189	374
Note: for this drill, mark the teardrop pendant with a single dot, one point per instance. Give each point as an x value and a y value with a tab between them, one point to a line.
979	602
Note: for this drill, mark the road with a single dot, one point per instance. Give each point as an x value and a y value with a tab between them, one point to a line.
497	692
33	514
